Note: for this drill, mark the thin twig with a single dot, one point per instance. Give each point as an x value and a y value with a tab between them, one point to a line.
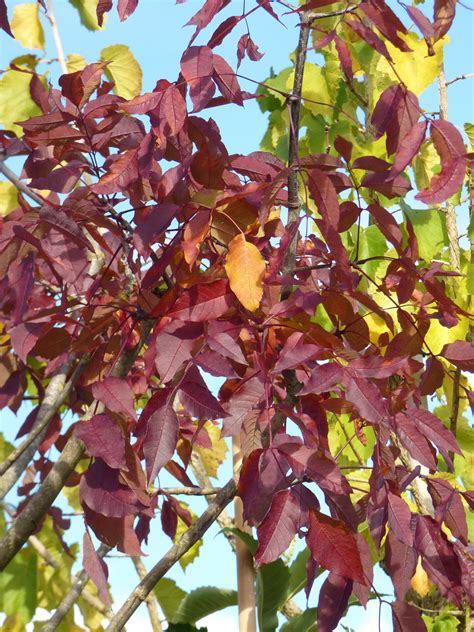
460	78
189	537
190	491
150	600
57	38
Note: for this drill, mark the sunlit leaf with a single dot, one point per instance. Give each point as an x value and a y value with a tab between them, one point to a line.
26	25
16	103
123	70
87	13
8	198
245	267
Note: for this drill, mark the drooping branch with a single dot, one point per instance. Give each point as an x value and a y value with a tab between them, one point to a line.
29	519
72	596
189	537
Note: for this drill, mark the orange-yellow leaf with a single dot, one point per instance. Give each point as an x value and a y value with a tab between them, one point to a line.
245	267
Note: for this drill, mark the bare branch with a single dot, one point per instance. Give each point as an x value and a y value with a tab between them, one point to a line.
20	185
460	78
150	600
57	39
190	491
189	537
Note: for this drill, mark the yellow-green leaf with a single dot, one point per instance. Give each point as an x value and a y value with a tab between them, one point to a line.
87	13
26	25
75	62
123	70
193	552
8	198
16	103
314	89
212	457
245	266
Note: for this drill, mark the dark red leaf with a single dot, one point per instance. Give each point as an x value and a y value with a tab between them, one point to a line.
247	46
324	194
160	440
173	347
433	429
421	21
101	490
386	21
96	568
4	24
399	519
173	110
243	402
278	528
103	438
205	15
203	302
414	441
323	377
295	353
103	6
333	599
460	353
444	12
197	399
400	561
125	8
334	546
223	30
116	394
407	618
449	508
366	399
370	37
197	68
22	283
449	145
227	81
409	148
344	57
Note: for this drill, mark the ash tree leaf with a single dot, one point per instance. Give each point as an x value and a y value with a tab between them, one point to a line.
407	618
4	24
399	518
125	8
460	353
87	10
400	561
324	194
245	267
103	438
169	596
173	347
197	67
96	568
203	302
8	198
160	440
278	528
449	145
296	352
116	394
202	602
334	546
123	69
366	398
101	490
16	103
197	399
433	429
323	377
333	600
26	25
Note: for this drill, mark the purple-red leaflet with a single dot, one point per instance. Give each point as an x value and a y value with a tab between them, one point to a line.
296	352
4	24
400	560
407	618
197	399
203	302
278	528
160	440
414	441
116	394
409	147
240	405
95	567
323	377
333	599
366	399
334	547
460	353
399	518
103	438
173	347
324	194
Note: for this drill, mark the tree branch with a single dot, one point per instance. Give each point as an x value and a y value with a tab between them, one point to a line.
150	600
72	596
29	519
57	39
190	491
189	537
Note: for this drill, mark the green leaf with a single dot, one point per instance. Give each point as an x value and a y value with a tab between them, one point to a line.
298	575
272	587
123	70
18	585
16	103
371	244
430	230
87	13
184	627
204	601
469	130
251	543
305	622
8	198
75	62
26	25
169	596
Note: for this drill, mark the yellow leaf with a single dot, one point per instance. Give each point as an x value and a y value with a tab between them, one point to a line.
245	266
314	89
16	103
193	552
26	25
420	582
212	457
123	70
75	62
87	13
8	198
13	623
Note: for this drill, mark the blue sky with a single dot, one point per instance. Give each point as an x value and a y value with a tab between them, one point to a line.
156	37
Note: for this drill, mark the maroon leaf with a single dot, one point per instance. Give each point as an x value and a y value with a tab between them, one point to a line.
4	24
370	37
197	69
433	429
103	6
449	508
334	546
295	352
400	561
173	347
160	440
96	568
386	21
366	398
115	393
242	403
421	21
123	171
278	528
333	599
114	531
203	302
103	438
197	399
324	194
223	30
399	519
460	353
125	8
407	618
227	81
101	490
205	15
344	57
449	144
173	109
409	148
444	12
414	441
323	377
24	337
22	286
215	364
247	46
